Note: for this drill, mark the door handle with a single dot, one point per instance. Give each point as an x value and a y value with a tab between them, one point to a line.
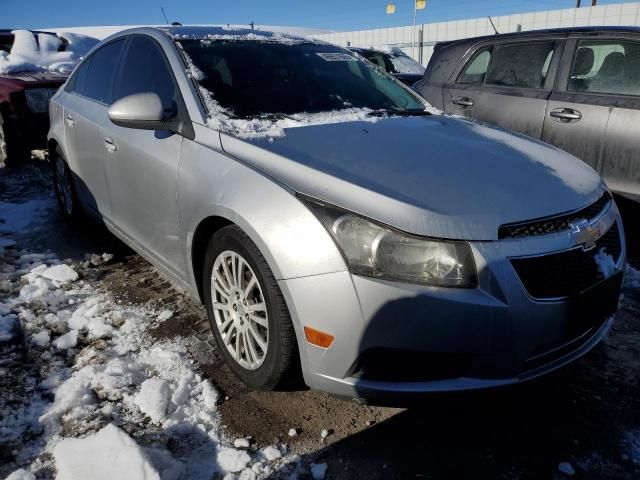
70	121
462	101
566	115
109	145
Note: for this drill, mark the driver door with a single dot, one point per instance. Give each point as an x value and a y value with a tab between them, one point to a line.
141	165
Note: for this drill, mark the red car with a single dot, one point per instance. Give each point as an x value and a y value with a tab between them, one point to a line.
24	101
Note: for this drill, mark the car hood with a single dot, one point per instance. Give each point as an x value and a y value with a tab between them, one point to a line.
437	176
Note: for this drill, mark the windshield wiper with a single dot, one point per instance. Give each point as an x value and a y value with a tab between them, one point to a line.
410	112
404	112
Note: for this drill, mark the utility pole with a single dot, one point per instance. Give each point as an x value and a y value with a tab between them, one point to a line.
417	5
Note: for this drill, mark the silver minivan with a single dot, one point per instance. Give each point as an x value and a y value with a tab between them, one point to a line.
332	223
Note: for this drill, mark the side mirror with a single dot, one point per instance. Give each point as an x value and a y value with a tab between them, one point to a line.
140	110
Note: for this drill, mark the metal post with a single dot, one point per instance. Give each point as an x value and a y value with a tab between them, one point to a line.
577	3
413	31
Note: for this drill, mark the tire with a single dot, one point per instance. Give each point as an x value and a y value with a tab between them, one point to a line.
239	319
13	151
65	189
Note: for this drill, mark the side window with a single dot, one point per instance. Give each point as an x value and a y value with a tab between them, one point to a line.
606	66
76	81
145	69
522	65
98	83
476	69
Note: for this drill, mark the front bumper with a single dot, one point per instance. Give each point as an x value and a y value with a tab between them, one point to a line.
395	341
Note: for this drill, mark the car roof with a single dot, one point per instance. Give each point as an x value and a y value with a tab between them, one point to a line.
546	31
224	33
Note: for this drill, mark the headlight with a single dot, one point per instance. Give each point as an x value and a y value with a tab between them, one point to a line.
37	99
374	250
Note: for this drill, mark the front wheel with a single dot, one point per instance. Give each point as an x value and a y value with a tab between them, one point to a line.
247	312
65	189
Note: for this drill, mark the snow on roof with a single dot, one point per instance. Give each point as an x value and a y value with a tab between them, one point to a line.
37	52
102	32
234	33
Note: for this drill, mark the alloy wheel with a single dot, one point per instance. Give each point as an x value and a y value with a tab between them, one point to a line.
240	310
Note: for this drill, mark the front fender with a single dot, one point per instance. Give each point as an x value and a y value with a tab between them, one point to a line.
212	184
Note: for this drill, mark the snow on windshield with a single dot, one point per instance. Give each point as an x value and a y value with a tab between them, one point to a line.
38	52
223	120
402	63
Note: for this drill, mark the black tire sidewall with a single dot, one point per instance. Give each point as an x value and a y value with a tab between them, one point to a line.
75	205
233	239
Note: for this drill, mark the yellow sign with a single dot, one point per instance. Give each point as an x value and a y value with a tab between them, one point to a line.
391	9
421	4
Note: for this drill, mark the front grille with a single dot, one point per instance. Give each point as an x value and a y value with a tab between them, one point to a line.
567	273
554	224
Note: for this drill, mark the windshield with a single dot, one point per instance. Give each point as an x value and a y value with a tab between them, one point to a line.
257	78
404	64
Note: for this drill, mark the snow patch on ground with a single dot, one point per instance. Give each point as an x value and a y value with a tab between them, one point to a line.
113	455
105	385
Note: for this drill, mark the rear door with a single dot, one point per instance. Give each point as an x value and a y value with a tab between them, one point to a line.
506	84
141	165
594	111
88	95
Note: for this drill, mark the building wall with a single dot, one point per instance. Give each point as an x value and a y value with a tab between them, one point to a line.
627	14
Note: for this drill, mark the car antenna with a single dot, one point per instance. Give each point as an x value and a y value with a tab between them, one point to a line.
164	15
494	27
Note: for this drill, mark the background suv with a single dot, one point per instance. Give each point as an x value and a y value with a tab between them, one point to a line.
577	89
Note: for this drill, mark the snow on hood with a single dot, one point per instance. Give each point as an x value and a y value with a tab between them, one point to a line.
38	52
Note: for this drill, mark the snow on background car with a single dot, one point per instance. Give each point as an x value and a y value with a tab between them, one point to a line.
102	399
37	52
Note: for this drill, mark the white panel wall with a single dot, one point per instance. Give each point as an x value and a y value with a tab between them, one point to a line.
627	14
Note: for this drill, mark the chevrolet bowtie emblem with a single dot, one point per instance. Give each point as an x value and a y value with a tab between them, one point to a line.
585	234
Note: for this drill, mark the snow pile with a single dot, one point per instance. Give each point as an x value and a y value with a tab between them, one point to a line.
567	469
112	452
36	52
318	470
103	379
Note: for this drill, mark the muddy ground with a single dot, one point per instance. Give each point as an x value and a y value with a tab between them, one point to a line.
587	415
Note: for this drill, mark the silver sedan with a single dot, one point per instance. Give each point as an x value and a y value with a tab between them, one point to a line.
331	221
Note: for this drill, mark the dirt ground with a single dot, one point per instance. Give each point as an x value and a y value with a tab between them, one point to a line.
588	414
